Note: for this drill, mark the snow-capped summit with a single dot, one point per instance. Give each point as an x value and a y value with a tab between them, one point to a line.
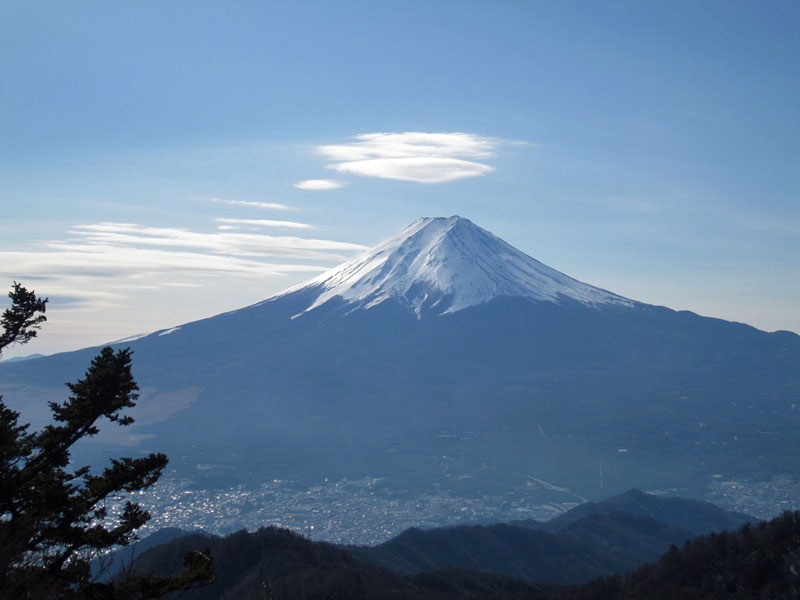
446	265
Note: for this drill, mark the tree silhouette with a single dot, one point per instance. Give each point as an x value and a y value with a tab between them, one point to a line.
54	520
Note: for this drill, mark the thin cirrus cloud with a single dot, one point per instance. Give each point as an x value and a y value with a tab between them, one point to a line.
101	259
131	235
319	184
265	223
253	204
413	156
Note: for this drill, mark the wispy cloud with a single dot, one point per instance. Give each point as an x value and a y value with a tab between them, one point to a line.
265	223
253	204
319	184
103	260
420	170
126	235
413	156
99	262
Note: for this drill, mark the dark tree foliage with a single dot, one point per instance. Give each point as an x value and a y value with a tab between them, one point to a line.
23	318
54	520
756	561
277	564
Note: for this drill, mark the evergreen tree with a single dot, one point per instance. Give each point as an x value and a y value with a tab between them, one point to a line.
54	520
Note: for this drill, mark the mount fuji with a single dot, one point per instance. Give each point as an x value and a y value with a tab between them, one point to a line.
445	358
447	265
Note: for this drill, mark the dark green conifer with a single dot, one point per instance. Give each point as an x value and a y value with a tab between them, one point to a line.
54	520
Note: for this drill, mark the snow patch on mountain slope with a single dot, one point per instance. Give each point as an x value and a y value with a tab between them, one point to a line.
168	331
448	264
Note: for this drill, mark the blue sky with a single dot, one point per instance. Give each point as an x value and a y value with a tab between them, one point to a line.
153	154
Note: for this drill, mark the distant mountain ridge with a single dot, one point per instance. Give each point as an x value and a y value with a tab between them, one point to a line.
693	515
515	551
475	561
22	358
277	563
589	541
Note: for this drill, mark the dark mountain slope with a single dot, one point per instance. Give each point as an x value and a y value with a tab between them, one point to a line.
591	540
515	551
108	566
761	561
693	515
631	539
275	563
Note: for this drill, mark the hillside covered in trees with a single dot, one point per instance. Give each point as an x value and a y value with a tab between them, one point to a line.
755	561
592	540
279	564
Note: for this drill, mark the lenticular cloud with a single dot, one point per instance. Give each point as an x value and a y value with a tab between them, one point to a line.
412	156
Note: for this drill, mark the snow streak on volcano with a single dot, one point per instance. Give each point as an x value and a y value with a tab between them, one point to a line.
445	265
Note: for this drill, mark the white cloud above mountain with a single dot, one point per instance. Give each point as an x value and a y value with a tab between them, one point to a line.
418	169
319	184
412	156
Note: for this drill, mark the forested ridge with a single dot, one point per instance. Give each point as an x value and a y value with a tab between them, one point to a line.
755	561
592	540
279	564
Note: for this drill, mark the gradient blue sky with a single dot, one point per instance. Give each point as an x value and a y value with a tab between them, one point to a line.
151	152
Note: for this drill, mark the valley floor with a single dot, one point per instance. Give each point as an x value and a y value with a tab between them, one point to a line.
368	511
